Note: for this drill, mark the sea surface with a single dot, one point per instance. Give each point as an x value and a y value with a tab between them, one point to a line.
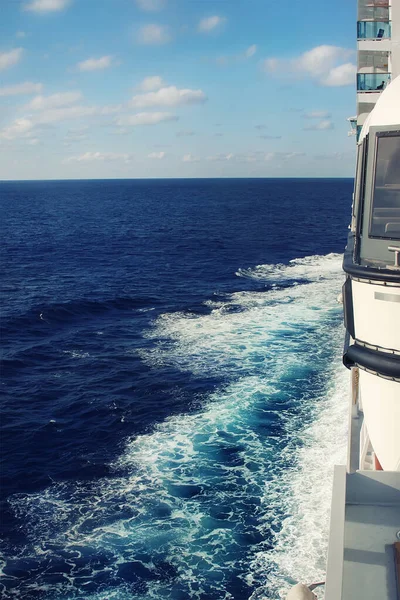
173	399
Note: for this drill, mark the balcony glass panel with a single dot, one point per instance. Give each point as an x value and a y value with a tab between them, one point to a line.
373	60
385	221
353	122
372	82
373	30
373	13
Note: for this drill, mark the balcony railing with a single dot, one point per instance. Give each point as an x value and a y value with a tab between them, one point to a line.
372	82
373	30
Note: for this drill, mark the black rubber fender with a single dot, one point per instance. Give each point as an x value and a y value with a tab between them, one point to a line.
382	363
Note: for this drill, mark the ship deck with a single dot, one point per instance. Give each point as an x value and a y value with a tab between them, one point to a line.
365	525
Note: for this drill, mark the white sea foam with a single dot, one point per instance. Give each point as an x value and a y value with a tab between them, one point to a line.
310	268
76	354
202	490
304	494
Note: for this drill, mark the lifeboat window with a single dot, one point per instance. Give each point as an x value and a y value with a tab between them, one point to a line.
360	177
385	216
356	196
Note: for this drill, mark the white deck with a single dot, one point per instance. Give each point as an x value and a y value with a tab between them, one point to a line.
361	564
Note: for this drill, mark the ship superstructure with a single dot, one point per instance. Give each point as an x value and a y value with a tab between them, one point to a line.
364	546
378	54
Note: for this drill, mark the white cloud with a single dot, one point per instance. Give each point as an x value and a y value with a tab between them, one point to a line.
320	59
221	157
28	87
186	133
321	63
252	157
54	101
145	118
151	84
169	96
77	134
111	109
334	156
229	59
150	5
321	126
120	131
55	115
282	155
44	6
33	142
153	35
156	155
99	157
50	111
65	113
271	65
95	64
210	23
270	137
190	158
11	58
339	76
317	114
251	50
19	128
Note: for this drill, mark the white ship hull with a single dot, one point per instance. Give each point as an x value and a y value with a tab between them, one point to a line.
381	406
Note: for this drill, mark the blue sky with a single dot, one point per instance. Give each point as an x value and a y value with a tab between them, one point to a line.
176	88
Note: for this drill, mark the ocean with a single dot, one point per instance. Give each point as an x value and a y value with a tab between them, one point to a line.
173	398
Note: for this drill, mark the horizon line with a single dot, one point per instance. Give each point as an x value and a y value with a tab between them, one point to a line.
166	178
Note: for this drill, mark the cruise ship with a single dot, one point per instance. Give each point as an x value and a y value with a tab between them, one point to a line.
378	54
364	541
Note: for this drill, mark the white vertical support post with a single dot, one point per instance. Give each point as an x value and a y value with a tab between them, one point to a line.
334	569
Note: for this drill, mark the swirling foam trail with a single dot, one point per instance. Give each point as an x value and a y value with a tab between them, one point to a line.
199	507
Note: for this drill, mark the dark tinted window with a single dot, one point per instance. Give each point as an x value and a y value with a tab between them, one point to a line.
385	218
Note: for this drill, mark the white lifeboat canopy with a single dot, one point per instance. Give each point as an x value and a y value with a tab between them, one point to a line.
386	111
372	289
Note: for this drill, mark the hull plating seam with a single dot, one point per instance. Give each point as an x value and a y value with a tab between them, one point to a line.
377	348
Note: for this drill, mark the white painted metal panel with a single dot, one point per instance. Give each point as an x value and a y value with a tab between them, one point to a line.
381	404
377	314
375	45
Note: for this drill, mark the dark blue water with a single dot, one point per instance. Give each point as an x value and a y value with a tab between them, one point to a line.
154	333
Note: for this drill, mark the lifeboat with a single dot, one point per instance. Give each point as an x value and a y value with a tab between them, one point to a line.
371	293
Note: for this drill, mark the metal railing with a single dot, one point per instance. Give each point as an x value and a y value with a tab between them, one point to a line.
373	30
372	82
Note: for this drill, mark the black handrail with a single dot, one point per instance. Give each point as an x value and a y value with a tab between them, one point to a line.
366	271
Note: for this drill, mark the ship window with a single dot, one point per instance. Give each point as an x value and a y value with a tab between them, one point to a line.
385	216
359	185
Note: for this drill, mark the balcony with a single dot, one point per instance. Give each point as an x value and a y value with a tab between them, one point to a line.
373	13
353	126
373	10
373	62
373	30
372	82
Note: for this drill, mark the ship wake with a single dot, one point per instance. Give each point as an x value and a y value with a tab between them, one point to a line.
230	500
